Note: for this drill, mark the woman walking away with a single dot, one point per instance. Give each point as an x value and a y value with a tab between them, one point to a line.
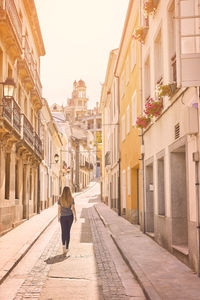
66	215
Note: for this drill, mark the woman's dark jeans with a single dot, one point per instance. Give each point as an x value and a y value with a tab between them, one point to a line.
66	223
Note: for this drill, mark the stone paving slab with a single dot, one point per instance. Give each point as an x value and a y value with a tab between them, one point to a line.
16	243
161	275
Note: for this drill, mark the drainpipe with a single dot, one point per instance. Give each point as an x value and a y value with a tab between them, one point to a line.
196	160
119	160
38	174
142	139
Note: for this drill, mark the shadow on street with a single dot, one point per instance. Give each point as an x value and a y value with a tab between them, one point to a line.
56	259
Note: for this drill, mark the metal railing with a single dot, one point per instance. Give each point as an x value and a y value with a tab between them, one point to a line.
38	145
28	131
16	116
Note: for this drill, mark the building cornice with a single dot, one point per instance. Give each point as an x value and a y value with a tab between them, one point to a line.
35	26
131	16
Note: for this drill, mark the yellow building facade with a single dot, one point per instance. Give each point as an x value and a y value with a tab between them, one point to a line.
127	70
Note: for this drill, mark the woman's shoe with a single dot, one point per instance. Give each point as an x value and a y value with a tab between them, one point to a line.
64	250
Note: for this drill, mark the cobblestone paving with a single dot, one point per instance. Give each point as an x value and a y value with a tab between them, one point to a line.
111	283
34	282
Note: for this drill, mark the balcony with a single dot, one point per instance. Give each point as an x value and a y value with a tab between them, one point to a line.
10	115
11	25
15	123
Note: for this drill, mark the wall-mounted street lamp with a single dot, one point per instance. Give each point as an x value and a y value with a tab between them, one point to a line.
8	87
56	158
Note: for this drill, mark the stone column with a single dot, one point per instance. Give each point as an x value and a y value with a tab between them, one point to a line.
26	175
12	175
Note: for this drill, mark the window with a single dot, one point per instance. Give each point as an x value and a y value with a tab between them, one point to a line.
25	106
127	71
158	58
123	128
133	54
189	43
10	72
134	108
128	119
19	95
172	42
129	180
32	117
147	86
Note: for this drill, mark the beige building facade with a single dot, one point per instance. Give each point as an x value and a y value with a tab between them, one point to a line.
21	46
51	175
110	135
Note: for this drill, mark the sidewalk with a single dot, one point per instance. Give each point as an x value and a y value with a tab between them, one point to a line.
16	243
160	274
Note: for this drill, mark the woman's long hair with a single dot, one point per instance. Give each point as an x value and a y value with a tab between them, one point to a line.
66	198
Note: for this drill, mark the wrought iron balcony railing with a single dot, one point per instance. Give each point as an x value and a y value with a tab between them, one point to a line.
28	131
11	112
38	145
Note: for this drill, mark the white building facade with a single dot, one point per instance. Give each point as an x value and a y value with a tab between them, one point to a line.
171	59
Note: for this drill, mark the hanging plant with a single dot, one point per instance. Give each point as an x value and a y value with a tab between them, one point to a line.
142	121
153	108
149	7
165	90
140	33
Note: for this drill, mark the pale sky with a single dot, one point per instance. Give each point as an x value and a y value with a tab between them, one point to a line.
78	37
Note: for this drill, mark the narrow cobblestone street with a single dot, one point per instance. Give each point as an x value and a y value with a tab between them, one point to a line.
93	269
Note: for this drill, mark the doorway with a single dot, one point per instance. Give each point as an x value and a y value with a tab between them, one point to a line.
149	199
179	198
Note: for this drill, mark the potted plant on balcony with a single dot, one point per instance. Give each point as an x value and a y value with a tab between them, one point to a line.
140	33
142	121
165	89
153	108
149	7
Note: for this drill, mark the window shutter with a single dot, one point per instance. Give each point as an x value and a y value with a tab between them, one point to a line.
188	42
